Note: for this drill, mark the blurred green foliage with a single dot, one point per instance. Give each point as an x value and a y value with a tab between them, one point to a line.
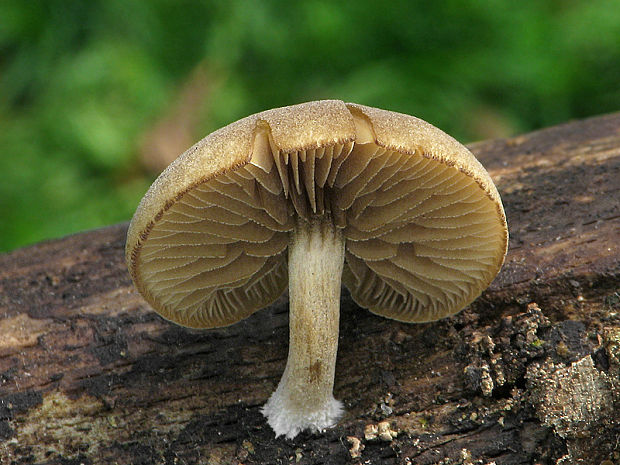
82	82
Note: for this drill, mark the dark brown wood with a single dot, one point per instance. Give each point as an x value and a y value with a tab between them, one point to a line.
89	374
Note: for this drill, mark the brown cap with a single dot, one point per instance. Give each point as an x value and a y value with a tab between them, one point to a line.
424	226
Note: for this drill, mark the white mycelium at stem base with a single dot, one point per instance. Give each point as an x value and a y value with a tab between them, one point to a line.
304	398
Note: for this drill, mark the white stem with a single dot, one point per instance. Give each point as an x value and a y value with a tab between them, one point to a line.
304	398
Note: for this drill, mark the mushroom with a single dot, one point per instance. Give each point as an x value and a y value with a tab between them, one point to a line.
310	196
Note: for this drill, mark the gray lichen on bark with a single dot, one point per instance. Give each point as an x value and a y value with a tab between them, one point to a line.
581	401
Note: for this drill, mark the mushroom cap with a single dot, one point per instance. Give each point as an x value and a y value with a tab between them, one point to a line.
424	225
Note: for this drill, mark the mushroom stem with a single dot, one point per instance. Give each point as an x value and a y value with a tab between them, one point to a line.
304	398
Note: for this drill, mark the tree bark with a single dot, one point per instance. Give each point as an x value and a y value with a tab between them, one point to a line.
529	373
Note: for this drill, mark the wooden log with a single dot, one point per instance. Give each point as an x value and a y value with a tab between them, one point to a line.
89	374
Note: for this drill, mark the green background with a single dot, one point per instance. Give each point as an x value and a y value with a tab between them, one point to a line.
93	92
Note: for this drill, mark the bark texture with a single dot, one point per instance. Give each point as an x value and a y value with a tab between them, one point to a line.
529	373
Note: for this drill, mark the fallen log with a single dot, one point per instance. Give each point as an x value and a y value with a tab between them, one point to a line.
529	373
